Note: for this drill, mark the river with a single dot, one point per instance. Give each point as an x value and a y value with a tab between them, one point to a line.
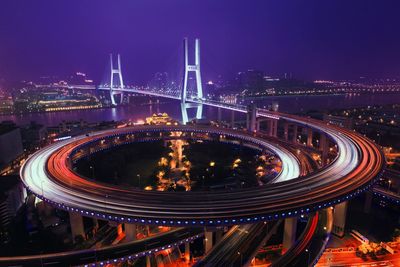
291	104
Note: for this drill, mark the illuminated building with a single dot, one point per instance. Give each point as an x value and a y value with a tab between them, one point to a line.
6	105
160	118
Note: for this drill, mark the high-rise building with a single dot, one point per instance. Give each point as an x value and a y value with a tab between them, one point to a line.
10	143
12	196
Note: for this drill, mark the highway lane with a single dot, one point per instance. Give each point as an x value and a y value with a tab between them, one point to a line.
242	242
50	189
240	245
311	243
76	257
386	194
110	254
359	161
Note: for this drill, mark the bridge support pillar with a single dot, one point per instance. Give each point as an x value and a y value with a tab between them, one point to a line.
208	241
185	106
118	72
368	202
289	233
233	119
148	262
324	147
199	111
295	132
219	118
187	252
309	137
251	117
76	222
286	131
273	127
185	117
95	224
339	219
191	68
218	235
130	232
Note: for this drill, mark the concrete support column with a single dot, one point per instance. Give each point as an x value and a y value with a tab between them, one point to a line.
286	131
76	222
324	147
187	252
208	241
289	233
252	117
219	115
258	125
368	202
218	235
148	230
339	219
295	132
233	119
148	262
95	223
130	232
309	137
273	127
120	231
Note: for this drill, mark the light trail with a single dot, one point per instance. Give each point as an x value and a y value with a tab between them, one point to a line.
359	161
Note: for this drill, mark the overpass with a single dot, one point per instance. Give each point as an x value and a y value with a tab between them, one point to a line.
358	164
110	254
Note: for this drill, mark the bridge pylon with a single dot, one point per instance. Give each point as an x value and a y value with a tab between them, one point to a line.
199	87
116	71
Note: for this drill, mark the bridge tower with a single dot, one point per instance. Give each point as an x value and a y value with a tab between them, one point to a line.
199	87
116	71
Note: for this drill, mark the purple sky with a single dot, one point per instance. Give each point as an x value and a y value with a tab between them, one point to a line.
326	39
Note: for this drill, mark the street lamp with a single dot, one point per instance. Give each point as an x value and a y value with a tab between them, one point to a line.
92	168
390	183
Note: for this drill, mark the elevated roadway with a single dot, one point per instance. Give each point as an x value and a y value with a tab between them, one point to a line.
48	174
110	254
240	245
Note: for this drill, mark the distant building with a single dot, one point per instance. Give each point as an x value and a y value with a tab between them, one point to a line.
160	118
10	143
6	105
33	135
80	78
344	122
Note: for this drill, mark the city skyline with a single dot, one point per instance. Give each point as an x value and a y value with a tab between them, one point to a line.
330	40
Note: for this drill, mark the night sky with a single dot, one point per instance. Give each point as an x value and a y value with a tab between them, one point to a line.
313	39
